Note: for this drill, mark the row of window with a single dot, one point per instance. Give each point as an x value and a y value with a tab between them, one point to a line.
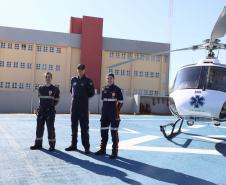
146	92
49	67
19	85
25	65
141	92
16	64
46	49
131	55
29	47
16	46
124	72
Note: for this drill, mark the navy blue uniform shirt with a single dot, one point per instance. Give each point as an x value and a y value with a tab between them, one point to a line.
112	99
81	90
49	96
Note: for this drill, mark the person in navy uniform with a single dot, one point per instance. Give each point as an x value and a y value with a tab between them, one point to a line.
112	102
82	89
49	97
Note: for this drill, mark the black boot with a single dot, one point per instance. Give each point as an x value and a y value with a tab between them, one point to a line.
71	148
114	154
87	151
36	147
101	152
51	148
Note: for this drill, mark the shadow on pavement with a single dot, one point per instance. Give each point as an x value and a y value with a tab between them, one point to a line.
160	174
93	167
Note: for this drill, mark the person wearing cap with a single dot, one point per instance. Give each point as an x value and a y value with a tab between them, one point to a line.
49	97
112	102
82	89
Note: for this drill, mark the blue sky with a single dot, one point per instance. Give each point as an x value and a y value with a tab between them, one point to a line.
190	22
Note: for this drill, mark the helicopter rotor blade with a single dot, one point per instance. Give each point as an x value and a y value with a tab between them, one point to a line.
156	54
219	29
122	63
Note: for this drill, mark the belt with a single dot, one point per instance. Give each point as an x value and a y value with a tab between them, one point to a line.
47	97
110	99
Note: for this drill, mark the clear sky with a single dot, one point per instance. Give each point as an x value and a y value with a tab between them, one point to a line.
149	20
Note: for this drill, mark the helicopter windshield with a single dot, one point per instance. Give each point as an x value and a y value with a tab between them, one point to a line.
188	78
217	78
201	77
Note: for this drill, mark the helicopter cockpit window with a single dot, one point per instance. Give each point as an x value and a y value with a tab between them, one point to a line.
187	78
217	79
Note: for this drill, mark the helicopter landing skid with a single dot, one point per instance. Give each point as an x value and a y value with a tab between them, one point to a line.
171	133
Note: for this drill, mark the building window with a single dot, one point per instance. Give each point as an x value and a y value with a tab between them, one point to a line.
21	85
157	58
151	92
135	91
7	85
117	55
29	65
166	59
122	72
57	67
130	55
58	50
110	70
1	63
111	54
141	74
30	47
28	85
146	74
44	66
141	56
122	90
39	48
128	73
123	55
38	66
135	73
136	55
1	84
22	65
51	49
152	58
116	72
2	44
10	45
45	49
15	64
156	93
36	86
145	92
152	74
8	64
50	67
140	92
14	85
17	46
147	57
23	46
157	74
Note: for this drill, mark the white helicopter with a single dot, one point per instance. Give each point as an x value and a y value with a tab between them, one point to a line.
199	90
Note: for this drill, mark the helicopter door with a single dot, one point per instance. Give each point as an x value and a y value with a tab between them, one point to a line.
216	78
